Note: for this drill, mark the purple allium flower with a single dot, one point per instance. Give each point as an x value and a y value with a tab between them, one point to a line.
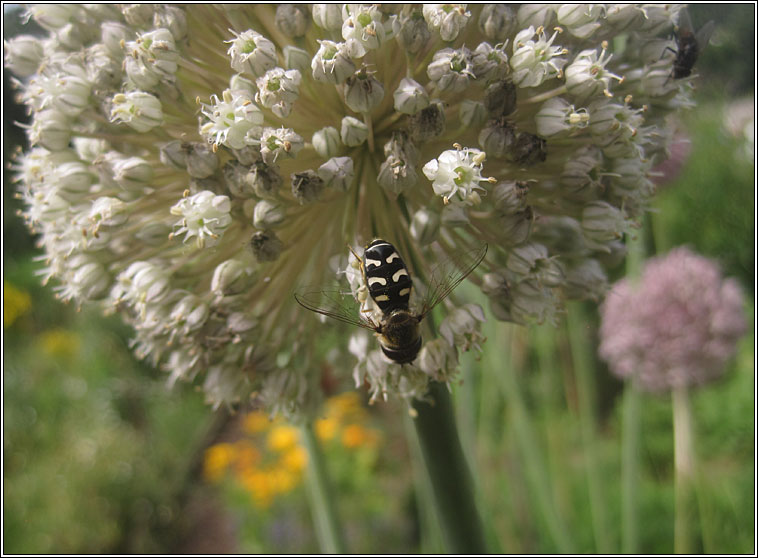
677	326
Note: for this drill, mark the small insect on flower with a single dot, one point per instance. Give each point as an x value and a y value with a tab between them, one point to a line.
688	45
389	285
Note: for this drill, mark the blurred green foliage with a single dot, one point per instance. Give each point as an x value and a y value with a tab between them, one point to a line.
97	452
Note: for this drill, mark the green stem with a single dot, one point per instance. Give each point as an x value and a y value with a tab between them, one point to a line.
684	471
581	350
630	436
534	462
328	531
448	472
630	427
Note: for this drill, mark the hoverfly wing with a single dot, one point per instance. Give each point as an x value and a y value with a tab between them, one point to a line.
335	303
449	274
704	34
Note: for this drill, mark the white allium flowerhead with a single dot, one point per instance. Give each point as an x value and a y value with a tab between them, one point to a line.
677	326
194	166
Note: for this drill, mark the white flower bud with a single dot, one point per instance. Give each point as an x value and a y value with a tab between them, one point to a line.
461	327
268	214
472	113
535	15
410	97
328	16
326	142
141	111
240	86
50	129
510	197
557	116
412	31
587	280
108	212
131	173
532	260
497	138
396	174
189	314
202	162
580	19
451	70
447	19
362	29
497	21
86	279
353	132
114	35
338	173
332	64
251	52
296	59
72	180
278	89
232	277
490	63
363	92
439	360
602	223
291	19
23	54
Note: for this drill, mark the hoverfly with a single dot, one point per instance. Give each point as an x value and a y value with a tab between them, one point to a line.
688	45
389	284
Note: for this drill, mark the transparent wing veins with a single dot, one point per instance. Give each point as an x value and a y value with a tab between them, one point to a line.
334	303
448	275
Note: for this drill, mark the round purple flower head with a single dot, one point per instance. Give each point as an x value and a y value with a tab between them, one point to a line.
676	327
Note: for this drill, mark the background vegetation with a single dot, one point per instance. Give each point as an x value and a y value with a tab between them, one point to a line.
100	457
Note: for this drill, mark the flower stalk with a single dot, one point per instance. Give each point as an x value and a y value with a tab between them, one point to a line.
684	472
321	496
448	472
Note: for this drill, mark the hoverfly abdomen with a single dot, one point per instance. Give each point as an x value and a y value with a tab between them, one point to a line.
387	277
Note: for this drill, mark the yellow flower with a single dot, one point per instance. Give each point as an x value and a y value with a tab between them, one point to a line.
247	456
282	437
256	422
295	459
217	458
346	404
15	303
259	485
355	435
60	343
326	428
281	480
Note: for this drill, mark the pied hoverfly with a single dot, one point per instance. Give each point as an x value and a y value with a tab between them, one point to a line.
389	285
688	45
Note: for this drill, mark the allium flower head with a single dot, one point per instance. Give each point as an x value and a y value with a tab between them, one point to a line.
677	327
193	166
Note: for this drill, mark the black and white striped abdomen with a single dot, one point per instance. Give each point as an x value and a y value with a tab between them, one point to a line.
387	278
